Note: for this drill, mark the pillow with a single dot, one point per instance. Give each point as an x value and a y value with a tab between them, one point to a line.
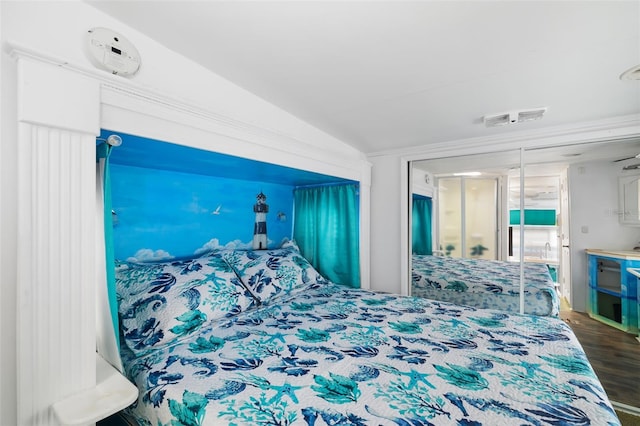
287	243
163	303
271	273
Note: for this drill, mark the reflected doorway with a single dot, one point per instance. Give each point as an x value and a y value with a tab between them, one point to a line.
541	217
468	217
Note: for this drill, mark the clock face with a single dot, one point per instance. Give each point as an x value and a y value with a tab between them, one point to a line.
112	52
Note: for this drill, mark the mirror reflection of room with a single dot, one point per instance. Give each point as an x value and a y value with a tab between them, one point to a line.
483	210
466	242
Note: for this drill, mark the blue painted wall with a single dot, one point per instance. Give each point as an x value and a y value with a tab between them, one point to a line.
173	201
162	214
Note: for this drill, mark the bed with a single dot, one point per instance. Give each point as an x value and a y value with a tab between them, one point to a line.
485	283
261	338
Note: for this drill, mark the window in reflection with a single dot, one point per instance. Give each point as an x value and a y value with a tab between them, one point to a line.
472	234
541	210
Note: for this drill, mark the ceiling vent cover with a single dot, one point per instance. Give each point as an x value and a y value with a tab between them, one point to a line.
631	74
514	117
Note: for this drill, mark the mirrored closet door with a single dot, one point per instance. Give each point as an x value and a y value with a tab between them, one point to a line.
469	213
470	230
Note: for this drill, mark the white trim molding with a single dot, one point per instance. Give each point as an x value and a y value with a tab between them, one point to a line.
55	285
611	129
55	321
125	102
137	114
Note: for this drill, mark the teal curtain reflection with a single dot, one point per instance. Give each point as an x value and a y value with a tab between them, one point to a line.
102	152
421	225
326	228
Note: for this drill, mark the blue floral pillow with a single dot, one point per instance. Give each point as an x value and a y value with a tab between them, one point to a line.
272	273
162	303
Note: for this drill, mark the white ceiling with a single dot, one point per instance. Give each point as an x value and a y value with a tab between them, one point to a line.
386	75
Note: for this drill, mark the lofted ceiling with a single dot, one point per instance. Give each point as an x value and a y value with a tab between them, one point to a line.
390	75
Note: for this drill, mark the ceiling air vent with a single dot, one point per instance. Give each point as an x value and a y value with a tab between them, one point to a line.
497	120
631	74
514	117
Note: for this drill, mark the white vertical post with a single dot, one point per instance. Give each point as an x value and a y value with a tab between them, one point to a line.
56	294
365	229
522	230
58	117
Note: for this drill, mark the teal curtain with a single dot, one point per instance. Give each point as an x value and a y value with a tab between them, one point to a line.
421	225
326	228
102	152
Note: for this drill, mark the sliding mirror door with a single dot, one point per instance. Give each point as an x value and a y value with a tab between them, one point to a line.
579	183
536	227
462	234
468	198
565	200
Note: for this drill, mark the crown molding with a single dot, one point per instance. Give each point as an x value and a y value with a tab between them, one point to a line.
614	128
252	132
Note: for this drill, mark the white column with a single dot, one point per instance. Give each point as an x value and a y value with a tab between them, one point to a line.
58	120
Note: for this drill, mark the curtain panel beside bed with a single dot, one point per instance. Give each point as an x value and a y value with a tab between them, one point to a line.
107	338
326	228
421	225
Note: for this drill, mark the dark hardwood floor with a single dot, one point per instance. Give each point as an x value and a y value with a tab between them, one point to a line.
614	355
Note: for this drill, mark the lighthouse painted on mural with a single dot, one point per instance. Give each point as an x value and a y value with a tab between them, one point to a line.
261	208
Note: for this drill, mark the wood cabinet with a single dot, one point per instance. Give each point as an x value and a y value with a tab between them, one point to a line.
613	289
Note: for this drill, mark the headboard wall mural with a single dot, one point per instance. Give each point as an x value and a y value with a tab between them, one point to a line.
161	215
171	201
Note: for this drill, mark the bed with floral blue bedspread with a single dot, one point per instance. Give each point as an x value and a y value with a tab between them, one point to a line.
260	338
484	283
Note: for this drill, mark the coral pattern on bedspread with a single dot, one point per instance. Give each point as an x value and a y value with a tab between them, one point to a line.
485	283
329	355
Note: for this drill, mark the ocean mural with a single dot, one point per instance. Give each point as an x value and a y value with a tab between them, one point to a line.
172	201
164	214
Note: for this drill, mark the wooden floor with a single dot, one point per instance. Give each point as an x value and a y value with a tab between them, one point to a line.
614	355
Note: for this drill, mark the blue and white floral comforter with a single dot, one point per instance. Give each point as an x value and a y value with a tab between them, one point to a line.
485	283
316	353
